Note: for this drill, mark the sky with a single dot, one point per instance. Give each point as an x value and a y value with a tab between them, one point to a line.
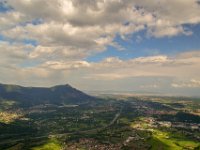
148	46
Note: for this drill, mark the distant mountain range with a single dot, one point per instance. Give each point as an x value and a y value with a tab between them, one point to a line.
29	96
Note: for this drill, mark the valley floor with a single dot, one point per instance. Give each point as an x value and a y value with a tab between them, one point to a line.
122	123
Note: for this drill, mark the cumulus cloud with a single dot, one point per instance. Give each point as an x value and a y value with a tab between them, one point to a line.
10	19
115	68
150	66
63	33
65	66
124	17
90	26
13	54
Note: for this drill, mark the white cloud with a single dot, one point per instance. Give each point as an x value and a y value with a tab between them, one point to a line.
168	31
66	32
152	59
65	66
149	66
10	19
154	86
69	28
187	84
13	54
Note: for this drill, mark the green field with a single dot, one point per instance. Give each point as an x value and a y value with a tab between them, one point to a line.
171	141
51	144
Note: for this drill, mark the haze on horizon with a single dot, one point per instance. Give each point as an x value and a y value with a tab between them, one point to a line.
98	45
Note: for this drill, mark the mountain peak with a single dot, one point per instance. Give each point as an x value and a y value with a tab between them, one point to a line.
62	86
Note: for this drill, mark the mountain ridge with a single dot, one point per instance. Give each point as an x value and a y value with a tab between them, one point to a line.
58	94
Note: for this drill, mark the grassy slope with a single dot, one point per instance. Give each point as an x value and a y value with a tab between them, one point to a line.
52	144
169	141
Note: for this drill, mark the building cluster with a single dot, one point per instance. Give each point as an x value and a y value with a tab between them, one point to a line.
192	126
150	122
92	144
